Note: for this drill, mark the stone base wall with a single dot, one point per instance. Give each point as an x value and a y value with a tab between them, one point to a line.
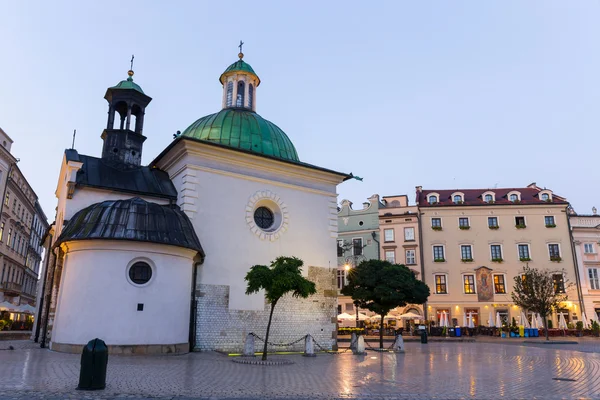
141	349
222	329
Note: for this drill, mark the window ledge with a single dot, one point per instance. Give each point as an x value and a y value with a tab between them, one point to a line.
409	240
464	228
494	227
439	261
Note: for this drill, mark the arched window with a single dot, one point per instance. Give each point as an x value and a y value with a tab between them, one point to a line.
457	199
514	197
488	198
545	196
433	199
229	94
250	95
239	100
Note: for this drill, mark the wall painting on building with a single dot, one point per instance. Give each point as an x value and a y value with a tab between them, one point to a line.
485	284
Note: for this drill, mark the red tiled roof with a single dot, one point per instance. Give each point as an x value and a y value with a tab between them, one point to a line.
474	197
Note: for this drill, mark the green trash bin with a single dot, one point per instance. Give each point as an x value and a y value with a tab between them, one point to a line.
94	359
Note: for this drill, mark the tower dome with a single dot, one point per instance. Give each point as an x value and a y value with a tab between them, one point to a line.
238	125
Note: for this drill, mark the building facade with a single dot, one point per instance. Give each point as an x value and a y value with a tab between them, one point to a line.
400	238
476	241
128	236
358	240
586	241
18	279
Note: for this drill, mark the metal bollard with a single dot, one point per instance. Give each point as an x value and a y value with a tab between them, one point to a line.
309	347
360	347
94	359
353	338
424	336
399	344
249	346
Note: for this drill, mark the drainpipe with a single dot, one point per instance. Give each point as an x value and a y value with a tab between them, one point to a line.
6	187
577	277
45	331
373	235
421	259
193	309
45	279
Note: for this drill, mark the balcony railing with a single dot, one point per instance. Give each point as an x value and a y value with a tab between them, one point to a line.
11	287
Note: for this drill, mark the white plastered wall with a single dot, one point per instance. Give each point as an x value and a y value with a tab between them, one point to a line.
96	299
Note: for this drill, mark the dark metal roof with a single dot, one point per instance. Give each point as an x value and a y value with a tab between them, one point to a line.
137	180
133	219
474	197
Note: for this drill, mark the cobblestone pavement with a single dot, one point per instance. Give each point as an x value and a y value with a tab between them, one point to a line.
432	371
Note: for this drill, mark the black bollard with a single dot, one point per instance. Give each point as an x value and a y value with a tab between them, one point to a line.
424	336
94	359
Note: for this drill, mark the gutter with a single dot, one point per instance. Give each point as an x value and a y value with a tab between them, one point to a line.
194	307
45	331
577	277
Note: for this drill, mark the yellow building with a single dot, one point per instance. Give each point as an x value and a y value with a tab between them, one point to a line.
476	241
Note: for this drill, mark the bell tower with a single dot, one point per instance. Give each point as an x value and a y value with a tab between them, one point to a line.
123	138
239	84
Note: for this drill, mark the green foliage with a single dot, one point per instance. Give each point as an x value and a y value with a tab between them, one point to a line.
283	276
436	228
570	325
579	325
349	331
381	286
549	324
595	327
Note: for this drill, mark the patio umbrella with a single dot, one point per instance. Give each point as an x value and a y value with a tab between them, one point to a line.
491	320
562	324
524	321
446	320
594	316
6	306
345	316
361	316
465	322
26	309
498	320
410	315
471	324
540	322
534	323
586	324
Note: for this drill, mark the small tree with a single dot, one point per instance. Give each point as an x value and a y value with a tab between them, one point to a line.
284	275
381	286
534	291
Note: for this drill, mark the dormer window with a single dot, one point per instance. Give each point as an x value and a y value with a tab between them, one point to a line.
514	197
457	199
433	199
545	196
488	198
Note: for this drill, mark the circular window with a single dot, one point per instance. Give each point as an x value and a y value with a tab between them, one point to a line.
361	223
264	218
140	273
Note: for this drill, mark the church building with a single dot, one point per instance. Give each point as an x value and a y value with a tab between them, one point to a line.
152	259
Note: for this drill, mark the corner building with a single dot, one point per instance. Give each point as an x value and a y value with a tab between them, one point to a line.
475	241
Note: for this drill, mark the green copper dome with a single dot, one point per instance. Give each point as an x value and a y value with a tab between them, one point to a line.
245	130
238	66
128	84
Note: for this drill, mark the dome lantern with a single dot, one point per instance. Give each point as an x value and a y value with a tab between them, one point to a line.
239	84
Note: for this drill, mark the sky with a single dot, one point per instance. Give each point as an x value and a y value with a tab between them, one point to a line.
444	95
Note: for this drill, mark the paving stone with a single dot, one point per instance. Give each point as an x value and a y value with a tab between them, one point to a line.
481	370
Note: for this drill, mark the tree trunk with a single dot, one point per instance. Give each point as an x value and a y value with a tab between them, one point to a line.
356	315
264	356
545	323
381	332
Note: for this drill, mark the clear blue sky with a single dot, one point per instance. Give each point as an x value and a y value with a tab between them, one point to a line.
439	94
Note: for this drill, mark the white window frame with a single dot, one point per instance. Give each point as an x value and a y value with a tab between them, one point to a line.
545	192
407	229
505	283
435	283
501	250
385	232
460	246
414	257
524	220
528	250
597	279
454	201
362	251
591	245
430	195
553	219
468	221
488	194
497	221
393	252
340	243
462	279
559	249
441	222
516	193
433	251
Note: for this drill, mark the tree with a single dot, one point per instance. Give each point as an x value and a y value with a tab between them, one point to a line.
381	286
284	275
535	291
